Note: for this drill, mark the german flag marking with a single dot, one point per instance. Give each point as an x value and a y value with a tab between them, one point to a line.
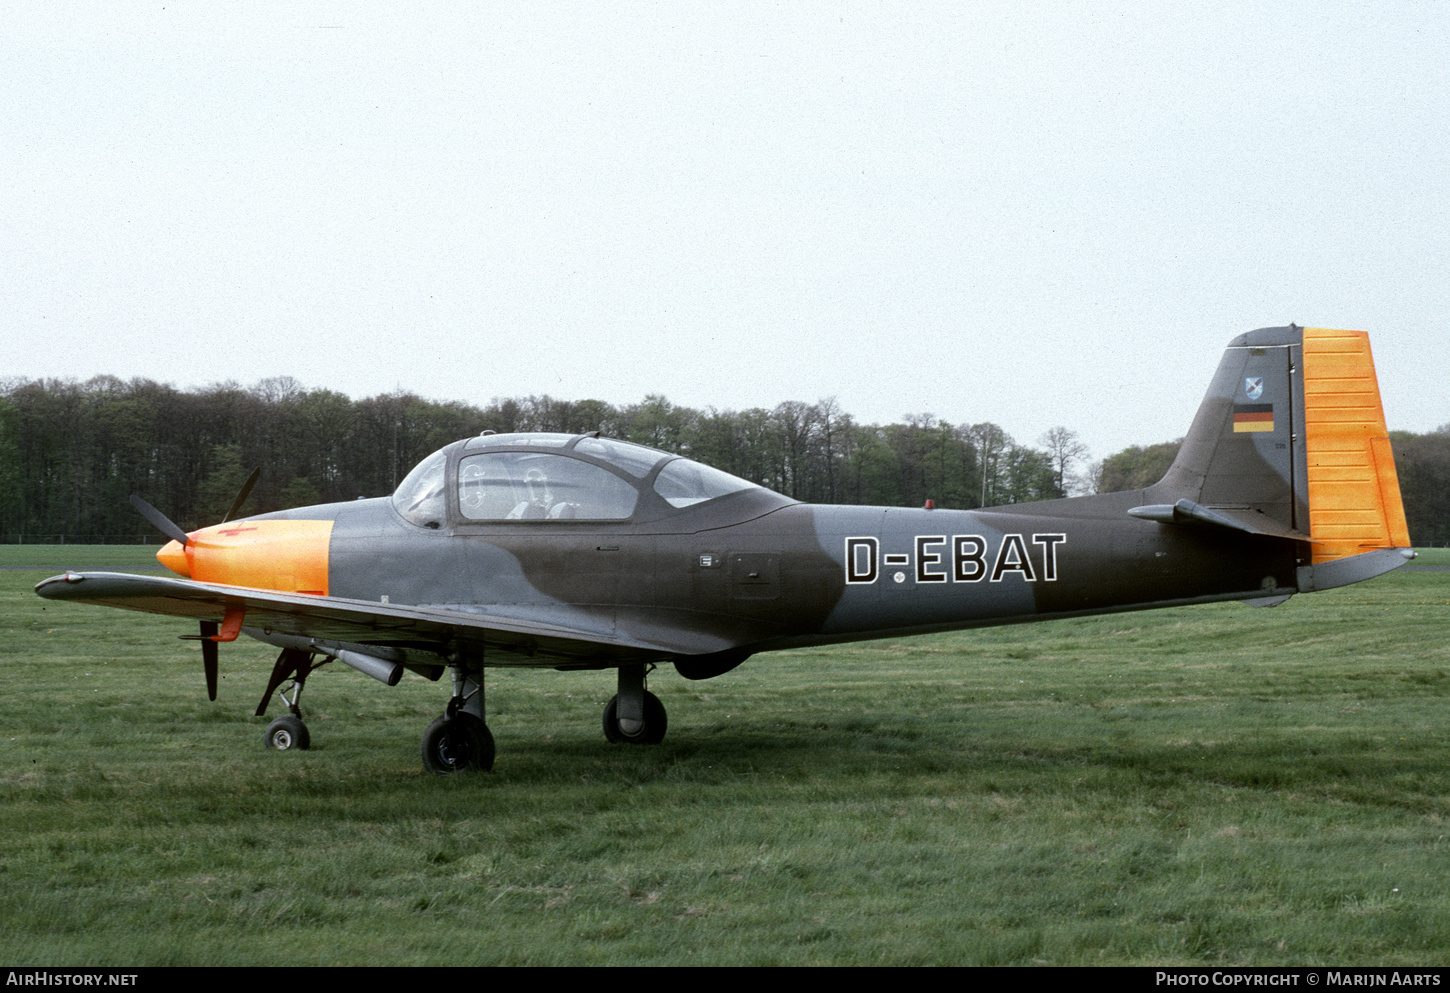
1253	417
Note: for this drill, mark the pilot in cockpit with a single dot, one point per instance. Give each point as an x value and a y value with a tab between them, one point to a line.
540	501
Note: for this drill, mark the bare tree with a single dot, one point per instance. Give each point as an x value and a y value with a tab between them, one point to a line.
990	441
1065	449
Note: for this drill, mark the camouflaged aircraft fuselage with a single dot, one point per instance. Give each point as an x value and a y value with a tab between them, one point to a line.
574	551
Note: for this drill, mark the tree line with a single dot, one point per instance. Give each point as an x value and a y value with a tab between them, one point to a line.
71	453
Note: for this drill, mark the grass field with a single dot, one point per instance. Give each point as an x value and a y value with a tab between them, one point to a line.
1207	785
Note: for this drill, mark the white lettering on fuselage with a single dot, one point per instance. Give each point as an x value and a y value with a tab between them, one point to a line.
962	558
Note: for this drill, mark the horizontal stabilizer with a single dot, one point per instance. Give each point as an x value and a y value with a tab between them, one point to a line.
1236	518
1353	569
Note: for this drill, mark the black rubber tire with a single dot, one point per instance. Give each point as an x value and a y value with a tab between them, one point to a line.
655	722
286	733
457	744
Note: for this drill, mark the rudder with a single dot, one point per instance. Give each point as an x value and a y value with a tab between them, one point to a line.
1354	491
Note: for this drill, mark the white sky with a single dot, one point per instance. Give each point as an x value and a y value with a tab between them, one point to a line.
1030	214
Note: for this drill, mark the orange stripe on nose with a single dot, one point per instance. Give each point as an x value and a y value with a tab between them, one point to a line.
288	556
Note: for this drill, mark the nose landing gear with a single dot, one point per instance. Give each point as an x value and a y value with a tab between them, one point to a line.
288	732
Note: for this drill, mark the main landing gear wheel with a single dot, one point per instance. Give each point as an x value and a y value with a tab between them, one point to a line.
457	744
286	733
653	731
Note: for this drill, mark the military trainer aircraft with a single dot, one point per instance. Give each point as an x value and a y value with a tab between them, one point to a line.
580	552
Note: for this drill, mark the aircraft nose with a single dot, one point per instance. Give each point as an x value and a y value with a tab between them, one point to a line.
286	555
174	557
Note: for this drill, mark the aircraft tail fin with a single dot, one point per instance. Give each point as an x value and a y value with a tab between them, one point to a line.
1291	441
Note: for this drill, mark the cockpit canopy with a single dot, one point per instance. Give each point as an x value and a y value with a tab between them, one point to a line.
555	477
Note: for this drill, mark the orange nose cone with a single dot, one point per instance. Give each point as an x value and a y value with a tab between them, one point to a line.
174	557
288	555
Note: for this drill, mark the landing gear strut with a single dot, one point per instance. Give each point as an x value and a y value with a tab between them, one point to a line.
634	715
288	732
460	741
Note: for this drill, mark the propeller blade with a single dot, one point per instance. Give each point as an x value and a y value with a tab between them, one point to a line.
209	657
242	496
159	520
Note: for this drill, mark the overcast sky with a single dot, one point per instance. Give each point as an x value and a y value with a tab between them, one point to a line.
1029	214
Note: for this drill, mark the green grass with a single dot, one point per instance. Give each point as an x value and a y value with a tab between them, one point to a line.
1209	785
58	558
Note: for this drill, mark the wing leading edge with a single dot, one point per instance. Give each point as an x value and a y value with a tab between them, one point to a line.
524	636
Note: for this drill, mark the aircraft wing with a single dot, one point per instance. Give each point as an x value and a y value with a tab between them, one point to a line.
521	635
